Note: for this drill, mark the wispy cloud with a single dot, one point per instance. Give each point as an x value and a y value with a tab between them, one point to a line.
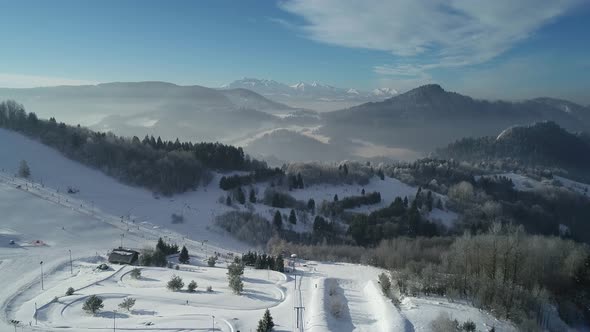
426	34
8	80
284	23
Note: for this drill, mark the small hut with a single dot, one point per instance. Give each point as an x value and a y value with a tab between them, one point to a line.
123	256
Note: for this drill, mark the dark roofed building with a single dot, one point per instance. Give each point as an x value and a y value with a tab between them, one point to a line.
123	256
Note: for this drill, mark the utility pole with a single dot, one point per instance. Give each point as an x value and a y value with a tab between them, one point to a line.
35	313
114	316
122	240
41	264
213	323
71	267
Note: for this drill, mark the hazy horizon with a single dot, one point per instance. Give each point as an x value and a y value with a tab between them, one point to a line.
488	51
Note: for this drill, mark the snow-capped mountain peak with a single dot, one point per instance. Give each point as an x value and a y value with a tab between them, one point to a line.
384	92
299	86
309	91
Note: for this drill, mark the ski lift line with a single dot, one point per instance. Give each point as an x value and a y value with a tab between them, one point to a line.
47	193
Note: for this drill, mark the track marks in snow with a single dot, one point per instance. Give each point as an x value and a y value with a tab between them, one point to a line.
351	306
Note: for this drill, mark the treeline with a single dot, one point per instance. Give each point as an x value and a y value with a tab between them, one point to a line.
400	218
164	166
504	270
349	172
338	206
258	175
278	199
264	261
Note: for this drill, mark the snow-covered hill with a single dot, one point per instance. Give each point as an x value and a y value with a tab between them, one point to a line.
45	223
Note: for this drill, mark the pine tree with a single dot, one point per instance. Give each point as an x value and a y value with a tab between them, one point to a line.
266	324
278	220
292	217
93	304
161	246
413	220
279	264
252	197
228	201
192	286
211	261
234	275
184	257
336	198
258	262
270	262
363	192
293	182
175	283
418	199
311	205
127	303
240	197
299	181
23	169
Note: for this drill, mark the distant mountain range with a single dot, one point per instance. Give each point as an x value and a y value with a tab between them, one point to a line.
428	116
402	126
301	94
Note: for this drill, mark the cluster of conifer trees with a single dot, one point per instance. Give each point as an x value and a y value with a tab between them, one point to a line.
264	261
259	174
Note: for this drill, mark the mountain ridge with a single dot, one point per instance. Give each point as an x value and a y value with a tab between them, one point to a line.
314	90
446	116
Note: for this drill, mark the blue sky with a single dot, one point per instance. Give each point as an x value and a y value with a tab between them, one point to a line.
491	49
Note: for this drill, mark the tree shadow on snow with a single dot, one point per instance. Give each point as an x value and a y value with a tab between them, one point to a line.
256	281
143	312
109	314
260	296
148	279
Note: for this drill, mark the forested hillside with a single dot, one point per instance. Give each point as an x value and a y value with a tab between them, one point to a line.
543	144
163	166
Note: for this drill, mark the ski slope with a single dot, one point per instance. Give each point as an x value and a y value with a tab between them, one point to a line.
102	193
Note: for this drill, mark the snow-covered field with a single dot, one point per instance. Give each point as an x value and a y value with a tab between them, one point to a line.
46	224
